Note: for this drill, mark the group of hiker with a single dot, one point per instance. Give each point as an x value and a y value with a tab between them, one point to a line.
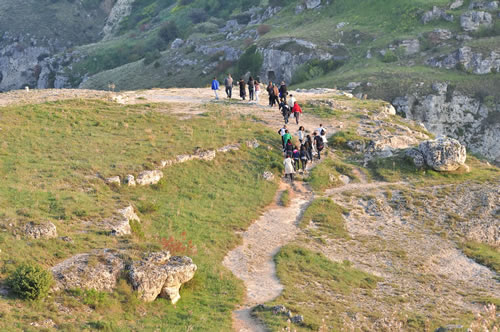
297	156
310	146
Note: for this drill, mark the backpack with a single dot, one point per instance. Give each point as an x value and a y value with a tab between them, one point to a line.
322	132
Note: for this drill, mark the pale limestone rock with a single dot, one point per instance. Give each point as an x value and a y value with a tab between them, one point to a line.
130	180
121	222
230	147
149	177
443	154
159	274
97	270
46	230
113	180
473	20
268	176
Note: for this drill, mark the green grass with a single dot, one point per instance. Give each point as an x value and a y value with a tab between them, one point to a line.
322	111
326	174
298	270
398	168
327	216
340	139
49	154
285	198
483	254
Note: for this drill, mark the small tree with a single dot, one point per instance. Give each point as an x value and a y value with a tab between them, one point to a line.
30	281
169	31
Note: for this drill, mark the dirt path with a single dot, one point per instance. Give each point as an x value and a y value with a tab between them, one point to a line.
253	262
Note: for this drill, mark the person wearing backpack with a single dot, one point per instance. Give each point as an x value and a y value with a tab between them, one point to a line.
282	132
303	157
289	148
285	111
215	87
296	158
283	92
251	87
297	111
228	82
318	142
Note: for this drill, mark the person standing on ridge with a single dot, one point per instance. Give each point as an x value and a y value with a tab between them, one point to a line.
257	90
228	82
215	87
283	91
243	92
251	86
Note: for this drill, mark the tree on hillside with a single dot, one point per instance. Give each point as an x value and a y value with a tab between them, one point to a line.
168	31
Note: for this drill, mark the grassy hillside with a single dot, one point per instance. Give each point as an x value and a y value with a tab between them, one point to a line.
49	156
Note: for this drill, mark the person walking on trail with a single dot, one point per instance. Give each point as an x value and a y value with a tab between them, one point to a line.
297	111
257	90
215	87
270	91
285	111
282	133
289	170
309	147
283	92
287	137
301	134
276	93
321	129
318	142
289	148
243	91
251	87
303	157
322	134
228	82
291	101
296	158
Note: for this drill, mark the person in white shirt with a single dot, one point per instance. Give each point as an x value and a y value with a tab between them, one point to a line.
301	134
321	130
291	101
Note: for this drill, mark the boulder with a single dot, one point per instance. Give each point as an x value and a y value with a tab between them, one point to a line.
253	144
167	163
182	158
149	177
440	88
159	274
97	270
113	180
473	20
206	155
416	157
120	224
230	147
177	43
443	154
484	5
438	35
389	109
434	14
268	176
45	230
410	46
456	4
130	180
311	4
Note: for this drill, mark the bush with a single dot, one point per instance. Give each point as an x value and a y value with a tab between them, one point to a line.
314	69
251	61
30	281
168	32
263	29
151	57
389	56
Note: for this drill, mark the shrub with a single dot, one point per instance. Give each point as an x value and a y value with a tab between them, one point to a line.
30	281
147	207
389	56
198	15
314	69
151	57
180	246
168	32
263	29
251	61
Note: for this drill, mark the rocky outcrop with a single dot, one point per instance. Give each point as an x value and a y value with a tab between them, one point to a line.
159	274
149	177
473	20
120	223
484	5
443	154
46	230
268	176
311	4
97	270
120	10
416	157
130	180
465	58
435	14
450	113
113	180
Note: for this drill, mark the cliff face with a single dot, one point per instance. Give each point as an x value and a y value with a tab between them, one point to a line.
446	112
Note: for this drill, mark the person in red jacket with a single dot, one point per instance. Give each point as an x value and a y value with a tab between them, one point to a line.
296	110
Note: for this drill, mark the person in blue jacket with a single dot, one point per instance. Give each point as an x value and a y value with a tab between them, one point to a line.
215	87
